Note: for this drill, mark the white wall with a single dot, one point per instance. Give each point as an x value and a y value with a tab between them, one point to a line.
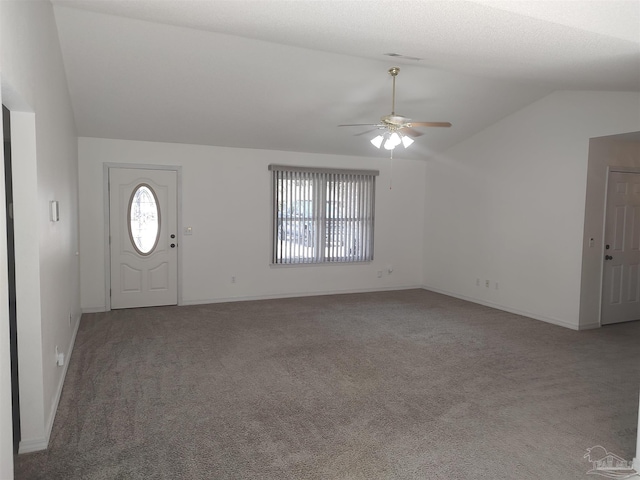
45	163
508	205
6	433
226	200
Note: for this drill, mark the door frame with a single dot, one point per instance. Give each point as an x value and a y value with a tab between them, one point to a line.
610	170
11	277
107	227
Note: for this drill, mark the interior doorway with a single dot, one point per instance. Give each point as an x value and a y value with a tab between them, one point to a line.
621	270
11	271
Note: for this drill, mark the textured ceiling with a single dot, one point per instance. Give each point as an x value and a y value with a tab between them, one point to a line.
283	74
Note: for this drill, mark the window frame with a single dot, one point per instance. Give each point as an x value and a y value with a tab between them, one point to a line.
352	190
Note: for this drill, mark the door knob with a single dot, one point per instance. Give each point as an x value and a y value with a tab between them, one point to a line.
608	257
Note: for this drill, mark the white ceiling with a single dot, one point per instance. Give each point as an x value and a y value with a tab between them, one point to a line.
283	74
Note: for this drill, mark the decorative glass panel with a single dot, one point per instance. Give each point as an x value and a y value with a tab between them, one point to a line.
144	219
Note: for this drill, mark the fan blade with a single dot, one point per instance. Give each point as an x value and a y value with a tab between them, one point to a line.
429	124
411	132
367	131
361	125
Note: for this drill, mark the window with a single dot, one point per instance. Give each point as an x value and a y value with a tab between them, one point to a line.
322	215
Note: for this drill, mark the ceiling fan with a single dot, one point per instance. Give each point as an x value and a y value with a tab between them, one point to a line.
397	128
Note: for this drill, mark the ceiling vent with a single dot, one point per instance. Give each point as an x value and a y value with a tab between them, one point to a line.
405	57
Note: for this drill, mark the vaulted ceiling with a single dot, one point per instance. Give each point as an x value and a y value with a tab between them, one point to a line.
282	75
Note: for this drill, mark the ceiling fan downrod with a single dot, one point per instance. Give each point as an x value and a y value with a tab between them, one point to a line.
393	71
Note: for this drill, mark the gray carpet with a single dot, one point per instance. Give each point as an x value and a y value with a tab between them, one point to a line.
393	385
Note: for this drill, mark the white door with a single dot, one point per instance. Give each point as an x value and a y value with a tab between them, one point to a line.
143	237
621	282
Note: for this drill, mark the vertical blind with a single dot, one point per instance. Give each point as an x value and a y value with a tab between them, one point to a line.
322	215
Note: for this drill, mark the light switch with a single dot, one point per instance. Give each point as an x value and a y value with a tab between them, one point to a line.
188	231
54	215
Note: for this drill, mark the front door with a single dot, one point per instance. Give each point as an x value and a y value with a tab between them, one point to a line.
621	282
143	227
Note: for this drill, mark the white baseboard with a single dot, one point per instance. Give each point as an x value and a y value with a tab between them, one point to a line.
33	445
94	309
553	321
275	296
204	301
589	326
297	295
36	444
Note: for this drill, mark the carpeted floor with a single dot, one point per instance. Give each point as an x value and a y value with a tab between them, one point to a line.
393	385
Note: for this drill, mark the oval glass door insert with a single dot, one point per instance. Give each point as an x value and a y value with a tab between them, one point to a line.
144	219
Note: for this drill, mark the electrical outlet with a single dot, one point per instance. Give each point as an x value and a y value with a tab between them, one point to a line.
496	285
486	283
379	273
477	282
59	358
233	279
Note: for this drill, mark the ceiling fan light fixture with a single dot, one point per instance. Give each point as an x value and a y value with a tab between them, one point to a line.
389	144
393	141
377	141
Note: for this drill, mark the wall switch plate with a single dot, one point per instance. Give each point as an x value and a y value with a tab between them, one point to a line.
54	211
188	230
